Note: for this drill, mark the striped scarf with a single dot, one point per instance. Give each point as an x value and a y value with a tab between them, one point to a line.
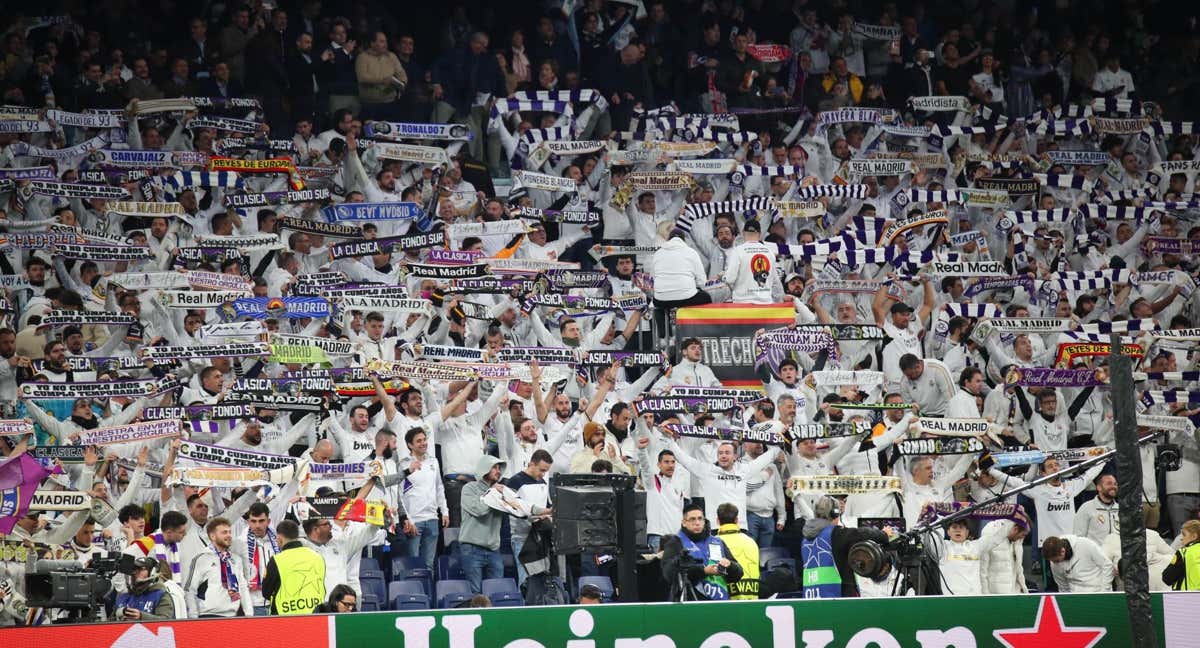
1117	212
1157	397
168	551
1063	181
253	556
941	328
770	171
933	195
726	137
1121	326
505	106
539	135
858	191
696	211
229	579
1064	127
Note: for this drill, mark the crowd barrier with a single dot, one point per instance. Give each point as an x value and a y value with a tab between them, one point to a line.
1029	621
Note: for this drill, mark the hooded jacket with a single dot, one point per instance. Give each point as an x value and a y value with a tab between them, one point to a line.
480	523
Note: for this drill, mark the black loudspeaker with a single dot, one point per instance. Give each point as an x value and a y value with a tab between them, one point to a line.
575	536
585	503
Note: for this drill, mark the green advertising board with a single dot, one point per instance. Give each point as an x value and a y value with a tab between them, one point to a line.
1062	621
1028	621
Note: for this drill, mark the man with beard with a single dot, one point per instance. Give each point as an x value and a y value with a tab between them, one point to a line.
12	365
1098	517
217	583
249	434
355	443
54	363
342	553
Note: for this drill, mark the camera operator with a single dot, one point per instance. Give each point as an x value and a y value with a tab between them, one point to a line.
824	551
147	598
698	566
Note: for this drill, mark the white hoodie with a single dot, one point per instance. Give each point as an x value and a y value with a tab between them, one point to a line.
678	271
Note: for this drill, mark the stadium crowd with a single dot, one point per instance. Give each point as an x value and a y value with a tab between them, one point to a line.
307	305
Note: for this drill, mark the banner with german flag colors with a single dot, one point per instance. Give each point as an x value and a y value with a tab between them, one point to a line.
726	333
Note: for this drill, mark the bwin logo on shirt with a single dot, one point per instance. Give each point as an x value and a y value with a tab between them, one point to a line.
1058	508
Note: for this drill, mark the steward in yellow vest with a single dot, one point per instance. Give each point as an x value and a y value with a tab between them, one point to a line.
744	550
1183	574
295	580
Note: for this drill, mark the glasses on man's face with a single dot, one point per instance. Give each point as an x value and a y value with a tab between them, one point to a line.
349	605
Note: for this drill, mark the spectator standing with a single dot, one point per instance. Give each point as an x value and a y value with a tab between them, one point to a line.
381	80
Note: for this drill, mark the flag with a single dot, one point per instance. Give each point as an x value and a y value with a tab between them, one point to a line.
19	478
357	510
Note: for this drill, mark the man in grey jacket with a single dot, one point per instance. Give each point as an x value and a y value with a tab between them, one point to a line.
1098	517
479	537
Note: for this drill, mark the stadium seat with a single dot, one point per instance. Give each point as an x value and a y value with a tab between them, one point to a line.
402	564
422	576
457	599
493	585
449	567
368	564
767	554
507	599
396	588
373	583
603	582
451	586
410	602
368	603
776	563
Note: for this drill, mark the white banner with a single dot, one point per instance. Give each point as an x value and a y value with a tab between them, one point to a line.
51	500
967	427
968	268
143	431
200	298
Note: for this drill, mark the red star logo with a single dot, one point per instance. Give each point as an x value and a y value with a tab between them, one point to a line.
1049	631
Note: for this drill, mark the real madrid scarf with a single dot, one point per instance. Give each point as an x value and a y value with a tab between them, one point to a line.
106	389
829	430
950	446
742	396
264	307
1047	377
243	126
271	165
415	131
842	485
388	244
206	351
670	405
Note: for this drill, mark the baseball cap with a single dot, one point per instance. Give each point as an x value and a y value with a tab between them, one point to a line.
901	307
793	277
